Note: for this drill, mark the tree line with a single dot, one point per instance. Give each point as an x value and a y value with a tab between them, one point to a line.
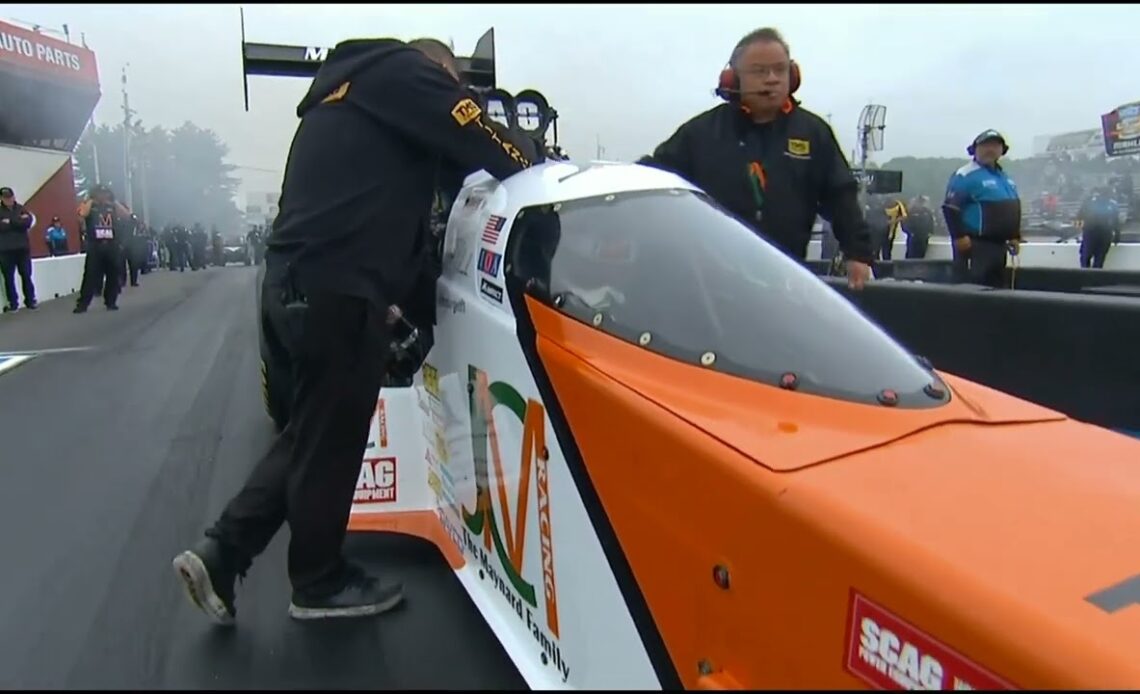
179	176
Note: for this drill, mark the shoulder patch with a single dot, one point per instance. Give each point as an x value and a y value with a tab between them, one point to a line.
466	111
337	94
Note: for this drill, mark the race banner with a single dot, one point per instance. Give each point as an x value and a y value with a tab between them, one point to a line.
1121	128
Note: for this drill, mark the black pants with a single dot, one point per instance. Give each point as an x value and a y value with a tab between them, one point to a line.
12	262
916	246
136	260
983	264
101	269
1095	244
308	477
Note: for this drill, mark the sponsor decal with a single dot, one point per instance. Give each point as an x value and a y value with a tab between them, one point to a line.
316	53
1111	599
799	148
431	380
382	422
495	531
376	483
489	262
888	653
379	425
492	229
337	94
491	290
466	111
447	303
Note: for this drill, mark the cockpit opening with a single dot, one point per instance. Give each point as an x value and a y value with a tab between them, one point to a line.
672	272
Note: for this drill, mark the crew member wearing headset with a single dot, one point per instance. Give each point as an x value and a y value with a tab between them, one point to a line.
768	160
983	213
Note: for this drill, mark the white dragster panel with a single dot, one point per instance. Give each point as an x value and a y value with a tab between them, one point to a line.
472	441
534	558
392	475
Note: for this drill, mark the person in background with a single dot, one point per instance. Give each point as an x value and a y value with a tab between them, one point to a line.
136	250
769	161
1099	220
101	220
15	251
918	227
896	215
56	238
878	225
218	247
983	213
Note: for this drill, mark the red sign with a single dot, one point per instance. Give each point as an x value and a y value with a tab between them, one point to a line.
44	54
376	483
888	653
382	422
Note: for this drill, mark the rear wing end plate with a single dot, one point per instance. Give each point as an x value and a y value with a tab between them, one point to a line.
278	60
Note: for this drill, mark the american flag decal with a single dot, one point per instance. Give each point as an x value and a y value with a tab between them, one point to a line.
489	262
492	229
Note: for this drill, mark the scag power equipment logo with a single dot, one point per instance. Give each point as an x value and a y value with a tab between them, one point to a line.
503	525
888	653
377	482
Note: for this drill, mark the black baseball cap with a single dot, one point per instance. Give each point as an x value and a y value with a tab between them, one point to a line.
989	136
7	192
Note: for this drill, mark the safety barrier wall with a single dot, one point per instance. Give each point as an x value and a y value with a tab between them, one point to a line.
53	277
1068	280
1070	352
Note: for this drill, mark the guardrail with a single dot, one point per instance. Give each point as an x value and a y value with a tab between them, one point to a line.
53	277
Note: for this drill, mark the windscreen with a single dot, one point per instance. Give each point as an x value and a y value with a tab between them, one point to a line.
671	271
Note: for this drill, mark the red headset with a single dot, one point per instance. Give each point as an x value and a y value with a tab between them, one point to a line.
729	85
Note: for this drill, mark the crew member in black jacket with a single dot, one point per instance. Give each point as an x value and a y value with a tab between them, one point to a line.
102	220
15	250
768	160
379	119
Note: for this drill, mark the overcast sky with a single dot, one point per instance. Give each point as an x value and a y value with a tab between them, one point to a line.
629	75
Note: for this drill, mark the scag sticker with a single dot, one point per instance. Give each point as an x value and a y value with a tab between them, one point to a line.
466	111
888	653
377	482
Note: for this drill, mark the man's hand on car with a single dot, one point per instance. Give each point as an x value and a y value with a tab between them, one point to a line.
857	274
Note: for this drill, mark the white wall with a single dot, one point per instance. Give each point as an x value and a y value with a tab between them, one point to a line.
53	277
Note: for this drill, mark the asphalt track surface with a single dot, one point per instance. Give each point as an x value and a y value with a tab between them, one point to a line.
115	456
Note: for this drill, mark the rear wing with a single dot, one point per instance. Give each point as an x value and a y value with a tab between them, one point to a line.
278	60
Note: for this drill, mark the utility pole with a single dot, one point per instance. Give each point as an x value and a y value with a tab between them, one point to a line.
127	113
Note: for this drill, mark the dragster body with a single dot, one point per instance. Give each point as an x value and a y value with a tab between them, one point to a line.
658	453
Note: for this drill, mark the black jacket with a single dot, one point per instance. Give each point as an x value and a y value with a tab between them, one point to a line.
378	121
14	230
805	170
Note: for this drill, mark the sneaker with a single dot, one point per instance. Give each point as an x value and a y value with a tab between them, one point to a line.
209	580
32	305
361	596
113	307
9	308
79	309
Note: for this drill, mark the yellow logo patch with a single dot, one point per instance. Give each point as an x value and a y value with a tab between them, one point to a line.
466	111
337	94
800	148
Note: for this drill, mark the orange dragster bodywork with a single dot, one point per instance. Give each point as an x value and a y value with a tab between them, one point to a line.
785	540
